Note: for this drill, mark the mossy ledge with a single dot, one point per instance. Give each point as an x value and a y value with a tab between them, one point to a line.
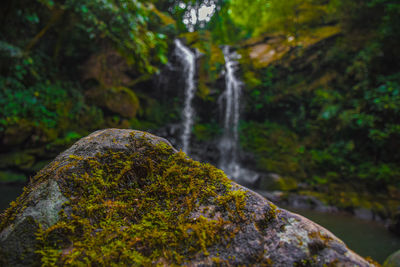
124	197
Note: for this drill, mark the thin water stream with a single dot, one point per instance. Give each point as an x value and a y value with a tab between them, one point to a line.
188	60
230	105
231	96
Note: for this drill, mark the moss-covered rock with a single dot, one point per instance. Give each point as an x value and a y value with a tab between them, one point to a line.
108	67
393	260
268	49
119	100
274	182
129	198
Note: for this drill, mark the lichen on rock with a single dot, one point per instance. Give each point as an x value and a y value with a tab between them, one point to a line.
129	198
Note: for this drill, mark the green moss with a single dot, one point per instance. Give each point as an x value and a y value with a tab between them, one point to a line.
234	202
287	184
269	216
319	242
251	79
119	100
140	209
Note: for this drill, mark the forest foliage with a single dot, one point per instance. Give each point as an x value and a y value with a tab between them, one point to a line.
343	129
44	42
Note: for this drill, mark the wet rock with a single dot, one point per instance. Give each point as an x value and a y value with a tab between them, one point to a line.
307	202
274	196
128	197
364	214
297	201
171	132
268	49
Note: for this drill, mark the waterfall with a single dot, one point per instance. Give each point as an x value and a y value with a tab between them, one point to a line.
231	97
188	60
230	100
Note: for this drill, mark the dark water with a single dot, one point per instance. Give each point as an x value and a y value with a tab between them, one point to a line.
364	237
9	193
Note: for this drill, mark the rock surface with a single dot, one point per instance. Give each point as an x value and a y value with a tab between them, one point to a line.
128	197
120	100
393	260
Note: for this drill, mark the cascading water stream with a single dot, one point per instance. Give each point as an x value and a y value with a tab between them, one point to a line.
228	145
188	59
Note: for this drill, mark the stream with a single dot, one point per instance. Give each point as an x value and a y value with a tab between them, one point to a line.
367	238
8	193
188	61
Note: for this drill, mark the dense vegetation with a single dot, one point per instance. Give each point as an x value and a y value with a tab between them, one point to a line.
43	44
341	108
324	109
54	76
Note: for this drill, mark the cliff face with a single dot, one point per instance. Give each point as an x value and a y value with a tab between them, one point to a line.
128	197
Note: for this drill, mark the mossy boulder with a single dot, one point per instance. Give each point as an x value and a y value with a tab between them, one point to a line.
107	67
274	182
120	100
124	197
